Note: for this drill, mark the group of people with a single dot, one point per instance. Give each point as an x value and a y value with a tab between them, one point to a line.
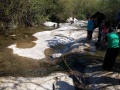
112	39
97	20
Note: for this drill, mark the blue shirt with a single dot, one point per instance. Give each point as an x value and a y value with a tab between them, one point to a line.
90	25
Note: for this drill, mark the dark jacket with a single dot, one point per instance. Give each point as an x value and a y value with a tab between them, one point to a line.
99	16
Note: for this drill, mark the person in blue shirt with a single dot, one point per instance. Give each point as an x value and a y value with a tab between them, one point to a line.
90	28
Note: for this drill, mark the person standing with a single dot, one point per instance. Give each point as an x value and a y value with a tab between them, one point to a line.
105	30
90	28
113	46
100	17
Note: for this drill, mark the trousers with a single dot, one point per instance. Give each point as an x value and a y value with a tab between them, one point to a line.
110	58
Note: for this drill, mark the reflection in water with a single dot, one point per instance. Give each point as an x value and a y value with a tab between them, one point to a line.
14	65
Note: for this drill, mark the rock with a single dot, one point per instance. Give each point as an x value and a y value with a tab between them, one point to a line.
61	81
87	45
56	55
92	48
11	25
14	36
50	24
71	20
99	78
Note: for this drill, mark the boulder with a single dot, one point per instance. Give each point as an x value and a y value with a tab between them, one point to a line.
50	24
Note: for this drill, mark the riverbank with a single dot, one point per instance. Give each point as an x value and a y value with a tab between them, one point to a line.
85	60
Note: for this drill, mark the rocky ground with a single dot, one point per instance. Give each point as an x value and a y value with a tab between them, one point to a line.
84	65
55	81
85	75
103	80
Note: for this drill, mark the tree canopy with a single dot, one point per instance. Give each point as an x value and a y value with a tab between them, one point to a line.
32	12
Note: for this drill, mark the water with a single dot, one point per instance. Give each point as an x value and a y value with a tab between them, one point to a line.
14	65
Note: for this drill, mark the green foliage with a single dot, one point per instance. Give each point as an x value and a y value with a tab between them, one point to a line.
32	12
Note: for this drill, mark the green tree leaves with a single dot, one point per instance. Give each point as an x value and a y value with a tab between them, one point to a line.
32	12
